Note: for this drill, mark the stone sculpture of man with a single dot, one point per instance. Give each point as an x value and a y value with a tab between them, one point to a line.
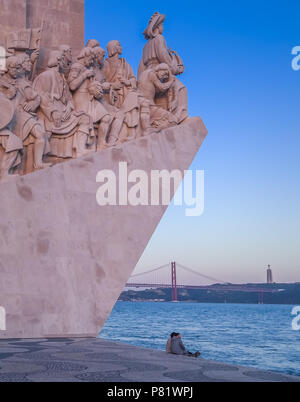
92	43
87	93
67	58
111	97
156	52
121	77
70	132
10	145
99	56
153	82
26	101
37	137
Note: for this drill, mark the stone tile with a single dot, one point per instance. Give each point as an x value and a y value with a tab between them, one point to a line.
96	360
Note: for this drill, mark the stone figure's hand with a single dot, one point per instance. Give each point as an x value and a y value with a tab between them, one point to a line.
57	117
11	92
99	93
173	106
181	70
95	89
89	73
35	55
125	82
117	86
67	114
29	106
106	86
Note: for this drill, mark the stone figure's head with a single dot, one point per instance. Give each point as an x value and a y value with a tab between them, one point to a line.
155	26
99	55
163	72
114	47
25	62
13	67
66	53
55	59
86	57
92	43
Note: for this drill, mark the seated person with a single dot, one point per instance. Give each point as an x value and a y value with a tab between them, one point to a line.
177	347
168	346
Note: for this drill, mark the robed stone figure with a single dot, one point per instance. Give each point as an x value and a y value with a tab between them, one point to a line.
156	52
71	132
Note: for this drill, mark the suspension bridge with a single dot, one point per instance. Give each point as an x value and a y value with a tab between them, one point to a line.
176	276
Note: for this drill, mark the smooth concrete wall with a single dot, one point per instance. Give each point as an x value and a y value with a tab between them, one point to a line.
64	260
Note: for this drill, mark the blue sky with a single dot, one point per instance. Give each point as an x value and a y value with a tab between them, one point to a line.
240	81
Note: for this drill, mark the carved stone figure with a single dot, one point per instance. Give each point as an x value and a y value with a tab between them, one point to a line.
70	132
120	76
26	101
154	82
26	42
111	97
156	52
74	108
87	93
10	145
92	43
36	143
67	58
99	56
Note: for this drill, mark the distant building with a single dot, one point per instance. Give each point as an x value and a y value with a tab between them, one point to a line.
269	275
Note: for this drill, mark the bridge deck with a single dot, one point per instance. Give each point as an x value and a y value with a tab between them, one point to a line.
216	288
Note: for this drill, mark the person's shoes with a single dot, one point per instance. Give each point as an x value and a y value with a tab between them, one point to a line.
197	354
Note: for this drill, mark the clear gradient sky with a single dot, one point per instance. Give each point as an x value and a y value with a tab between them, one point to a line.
240	81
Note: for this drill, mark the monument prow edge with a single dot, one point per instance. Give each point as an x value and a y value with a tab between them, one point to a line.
64	259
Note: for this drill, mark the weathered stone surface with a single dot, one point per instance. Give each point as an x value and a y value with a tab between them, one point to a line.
98	360
63	22
64	259
13	17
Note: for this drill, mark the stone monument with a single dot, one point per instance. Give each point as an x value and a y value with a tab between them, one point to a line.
67	113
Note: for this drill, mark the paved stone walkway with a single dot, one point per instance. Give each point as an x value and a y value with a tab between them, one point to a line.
97	360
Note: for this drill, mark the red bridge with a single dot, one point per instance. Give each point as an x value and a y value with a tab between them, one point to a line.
169	280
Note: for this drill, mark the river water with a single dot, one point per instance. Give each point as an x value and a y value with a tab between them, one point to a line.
259	336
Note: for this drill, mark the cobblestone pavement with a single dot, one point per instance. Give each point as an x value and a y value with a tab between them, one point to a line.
97	360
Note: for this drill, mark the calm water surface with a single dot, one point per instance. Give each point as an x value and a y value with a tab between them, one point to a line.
260	336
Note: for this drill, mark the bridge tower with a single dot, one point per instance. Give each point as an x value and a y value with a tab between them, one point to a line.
174	283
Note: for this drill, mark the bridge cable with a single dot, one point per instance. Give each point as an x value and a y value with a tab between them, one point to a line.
148	272
203	276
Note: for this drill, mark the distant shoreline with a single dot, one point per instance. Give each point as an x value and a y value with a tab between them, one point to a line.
194	302
285	294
